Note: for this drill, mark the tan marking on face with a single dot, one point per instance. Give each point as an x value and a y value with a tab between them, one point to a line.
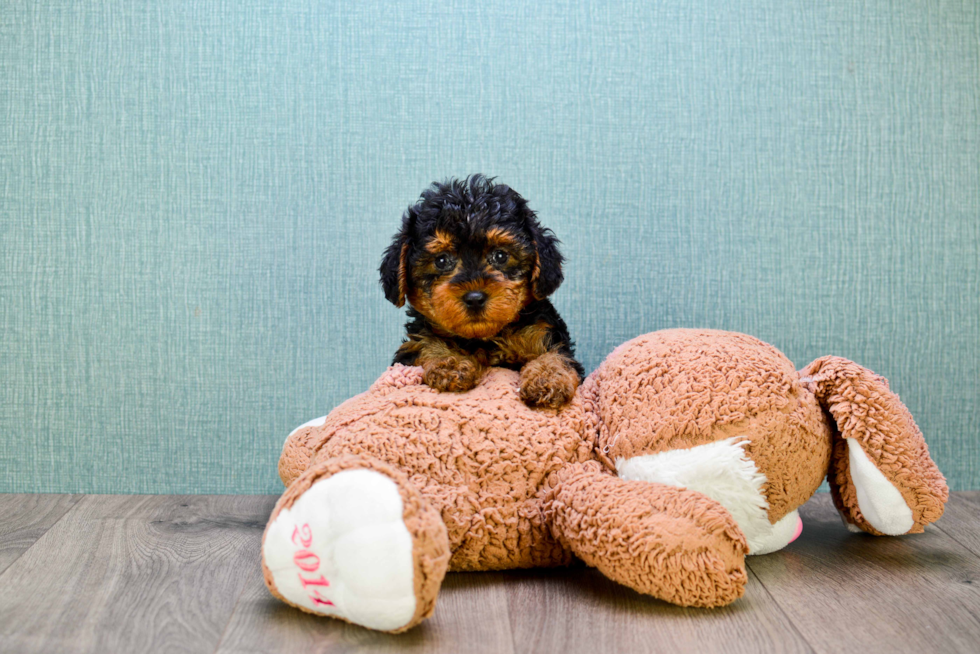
500	238
440	242
444	307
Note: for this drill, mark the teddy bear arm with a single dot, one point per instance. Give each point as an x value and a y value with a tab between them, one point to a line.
672	543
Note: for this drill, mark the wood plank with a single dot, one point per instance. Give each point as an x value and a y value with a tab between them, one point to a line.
961	520
471	617
25	518
564	611
858	593
133	574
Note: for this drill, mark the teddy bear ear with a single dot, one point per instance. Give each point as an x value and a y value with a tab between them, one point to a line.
546	274
394	264
882	477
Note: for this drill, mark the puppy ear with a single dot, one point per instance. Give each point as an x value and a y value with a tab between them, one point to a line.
546	275
394	266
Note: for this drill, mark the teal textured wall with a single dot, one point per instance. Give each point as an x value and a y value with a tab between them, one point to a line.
194	197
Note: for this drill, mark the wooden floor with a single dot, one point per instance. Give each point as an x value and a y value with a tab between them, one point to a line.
114	573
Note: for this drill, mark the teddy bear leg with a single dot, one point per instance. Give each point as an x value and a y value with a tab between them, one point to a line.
353	539
723	471
672	543
882	478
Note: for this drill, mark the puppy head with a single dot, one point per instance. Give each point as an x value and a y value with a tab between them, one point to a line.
469	256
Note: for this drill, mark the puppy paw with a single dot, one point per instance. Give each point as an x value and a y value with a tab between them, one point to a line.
548	381
454	374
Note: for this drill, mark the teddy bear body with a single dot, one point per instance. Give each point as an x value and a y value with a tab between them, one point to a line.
683	452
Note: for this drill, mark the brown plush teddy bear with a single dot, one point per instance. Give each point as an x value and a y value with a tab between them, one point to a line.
683	452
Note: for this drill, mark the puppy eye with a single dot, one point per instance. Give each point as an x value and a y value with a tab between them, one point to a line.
444	262
499	257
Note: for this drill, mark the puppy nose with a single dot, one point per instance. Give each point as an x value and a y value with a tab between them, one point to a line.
475	299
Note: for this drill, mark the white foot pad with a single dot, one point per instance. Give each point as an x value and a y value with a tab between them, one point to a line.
342	549
880	502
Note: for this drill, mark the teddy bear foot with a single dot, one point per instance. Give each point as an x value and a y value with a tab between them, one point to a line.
352	542
882	479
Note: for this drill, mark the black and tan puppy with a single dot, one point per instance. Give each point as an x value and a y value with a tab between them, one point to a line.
476	268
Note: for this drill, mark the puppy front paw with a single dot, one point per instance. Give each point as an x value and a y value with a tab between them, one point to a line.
548	381
454	374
